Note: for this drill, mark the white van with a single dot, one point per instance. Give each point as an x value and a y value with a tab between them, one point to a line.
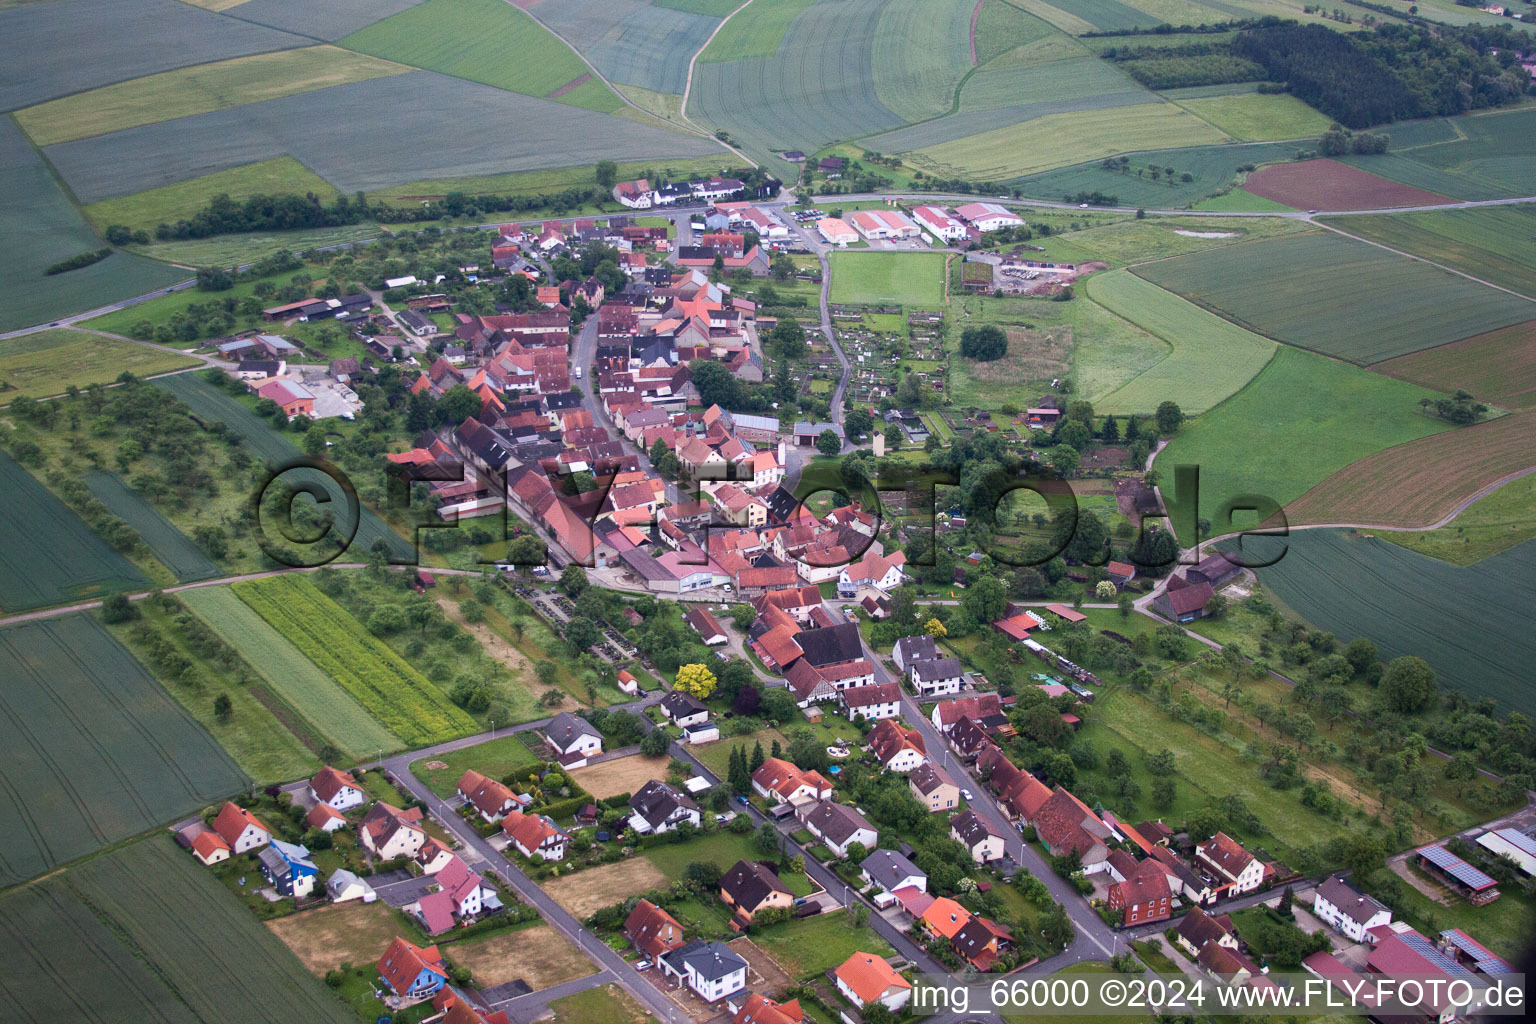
578	373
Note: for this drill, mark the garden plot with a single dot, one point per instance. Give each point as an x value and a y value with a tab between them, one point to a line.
96	750
114	40
631	42
322	129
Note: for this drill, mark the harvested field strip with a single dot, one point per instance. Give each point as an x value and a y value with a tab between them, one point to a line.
1498	367
624	775
1497	244
288	718
321	129
170	545
1475	632
197	90
96	750
1337	295
1419	483
322	700
47	553
1211	358
163	906
1330	185
486	41
46	362
392	691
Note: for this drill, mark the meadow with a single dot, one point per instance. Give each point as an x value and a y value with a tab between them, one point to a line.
169	203
47	554
397	695
1336	295
1058	139
1475	632
1211	169
1496	244
495	759
1211	358
1498	367
321	129
1493	523
42	227
1419	483
629	41
131	930
1258	117
904	278
98	751
1302	418
197	90
487	41
329	709
172	547
1487	157
46	362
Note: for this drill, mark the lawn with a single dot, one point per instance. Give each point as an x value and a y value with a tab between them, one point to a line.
1507	926
607	1004
1211	358
1489	525
723	848
130	931
1496	244
98	751
1259	117
495	759
486	41
48	555
196	90
318	697
895	278
47	362
1302	418
805	949
1336	295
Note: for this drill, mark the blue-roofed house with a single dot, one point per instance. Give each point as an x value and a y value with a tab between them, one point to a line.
288	868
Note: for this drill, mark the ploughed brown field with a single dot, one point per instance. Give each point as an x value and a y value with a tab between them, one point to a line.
1330	185
1499	367
1419	483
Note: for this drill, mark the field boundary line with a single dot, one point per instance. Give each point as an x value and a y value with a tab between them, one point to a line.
688	83
1429	262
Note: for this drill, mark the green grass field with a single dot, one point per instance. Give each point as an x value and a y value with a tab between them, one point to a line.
1062	79
921	52
131	931
908	279
1491	524
1302	418
495	758
1475	633
197	90
1211	169
47	362
174	548
234	250
97	751
1003	29
170	203
755	32
1479	156
808	948
486	41
724	848
1240	200
1496	243
1060	139
329	708
1258	117
390	689
1211	358
1336	295
48	555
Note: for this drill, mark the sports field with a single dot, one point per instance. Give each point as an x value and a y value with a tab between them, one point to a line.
1419	483
1058	139
96	750
1211	358
1496	244
1491	159
131	931
1331	185
1302	418
910	279
488	41
330	709
47	553
41	228
396	694
174	548
1474	631
1211	168
197	90
264	442
1258	117
1498	367
47	362
1336	295
323	131
629	41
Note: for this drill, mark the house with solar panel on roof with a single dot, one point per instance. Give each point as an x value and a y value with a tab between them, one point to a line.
1473	884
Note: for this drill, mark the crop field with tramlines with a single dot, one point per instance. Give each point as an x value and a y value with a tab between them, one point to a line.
1498	367
401	698
95	750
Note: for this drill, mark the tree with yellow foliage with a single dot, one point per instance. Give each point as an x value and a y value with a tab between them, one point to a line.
695	680
935	629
